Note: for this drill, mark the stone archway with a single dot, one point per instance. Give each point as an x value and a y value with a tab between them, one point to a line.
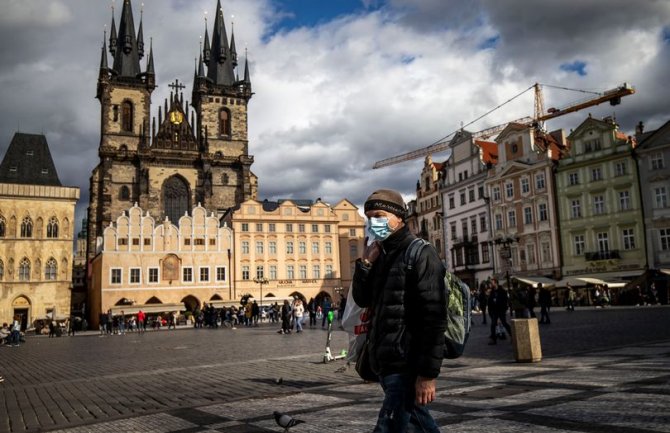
191	303
22	307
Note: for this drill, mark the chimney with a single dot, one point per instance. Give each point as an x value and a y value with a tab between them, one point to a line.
639	129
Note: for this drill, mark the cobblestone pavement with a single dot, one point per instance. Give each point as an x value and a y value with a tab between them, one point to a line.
232	380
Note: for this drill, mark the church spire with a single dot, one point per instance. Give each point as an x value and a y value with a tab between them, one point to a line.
140	37
247	75
206	50
233	51
127	58
150	62
220	66
112	36
103	57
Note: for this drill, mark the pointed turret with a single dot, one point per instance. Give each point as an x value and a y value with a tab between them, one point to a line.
140	40
220	66
206	51
247	77
103	57
112	36
201	68
233	51
151	71
127	58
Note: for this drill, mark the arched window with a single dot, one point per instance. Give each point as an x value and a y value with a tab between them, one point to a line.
27	228
224	179
175	198
24	269
127	116
225	122
124	194
52	228
2	227
50	269
2	270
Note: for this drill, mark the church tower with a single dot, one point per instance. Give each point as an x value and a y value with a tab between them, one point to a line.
221	99
191	154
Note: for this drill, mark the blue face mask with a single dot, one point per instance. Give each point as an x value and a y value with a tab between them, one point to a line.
378	228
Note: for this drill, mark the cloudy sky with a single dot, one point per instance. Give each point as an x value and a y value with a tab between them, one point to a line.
340	84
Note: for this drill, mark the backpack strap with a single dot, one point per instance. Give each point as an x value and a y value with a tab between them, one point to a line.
412	252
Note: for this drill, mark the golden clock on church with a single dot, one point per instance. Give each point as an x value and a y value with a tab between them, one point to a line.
176	117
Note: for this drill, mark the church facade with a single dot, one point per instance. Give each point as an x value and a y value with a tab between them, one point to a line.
190	154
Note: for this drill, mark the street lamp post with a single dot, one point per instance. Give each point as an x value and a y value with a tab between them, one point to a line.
506	253
230	274
261	281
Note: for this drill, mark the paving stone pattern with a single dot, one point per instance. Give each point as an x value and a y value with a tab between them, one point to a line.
227	381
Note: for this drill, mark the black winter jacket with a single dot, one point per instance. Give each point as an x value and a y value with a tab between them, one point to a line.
409	311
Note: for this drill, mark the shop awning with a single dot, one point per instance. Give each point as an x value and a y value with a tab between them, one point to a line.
613	284
147	308
534	281
664	271
574	282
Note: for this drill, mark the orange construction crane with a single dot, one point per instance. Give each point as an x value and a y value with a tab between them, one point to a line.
613	96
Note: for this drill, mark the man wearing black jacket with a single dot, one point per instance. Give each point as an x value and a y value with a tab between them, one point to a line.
406	337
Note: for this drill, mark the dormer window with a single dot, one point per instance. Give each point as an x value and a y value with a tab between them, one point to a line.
29	153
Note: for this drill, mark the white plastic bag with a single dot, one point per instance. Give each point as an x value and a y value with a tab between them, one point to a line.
354	322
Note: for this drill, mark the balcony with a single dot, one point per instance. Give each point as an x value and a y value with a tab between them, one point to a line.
602	255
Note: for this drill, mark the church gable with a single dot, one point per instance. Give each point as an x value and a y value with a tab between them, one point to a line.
174	132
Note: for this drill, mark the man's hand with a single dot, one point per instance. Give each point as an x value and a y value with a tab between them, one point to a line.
425	390
372	251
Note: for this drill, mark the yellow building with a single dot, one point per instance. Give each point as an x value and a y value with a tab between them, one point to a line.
36	233
295	248
156	267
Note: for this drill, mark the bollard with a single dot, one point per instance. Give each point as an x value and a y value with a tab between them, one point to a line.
526	340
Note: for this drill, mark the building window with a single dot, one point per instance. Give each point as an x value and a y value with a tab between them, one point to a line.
24	269
546	252
603	242
620	168
259	227
353	250
27	228
289	247
530	254
452	227
273	272
596	174
245	227
272	247
328	247
315	228
326	228
176	202
301	228
496	193
116	276
462	195
527	215
245	247
511	219
486	255
196	241
464	227
471	194
452	203
259	247
245	273
123	242
352	233
224	122
542	212
573	178
499	221
480	192
316	271
52	228
272	227
576	209
187	241
473	225
153	275
661	197
315	248
664	237
260	272
147	242
187	275
624	200
303	272
539	181
657	161
525	185
598	204
289	228
509	190
579	245
302	247
124	193
482	223
220	273
2	270
127	116
134	275
290	274
50	269
628	237
329	271
3	226
592	145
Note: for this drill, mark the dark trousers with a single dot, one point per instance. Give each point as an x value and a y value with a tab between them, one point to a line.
399	412
544	314
494	322
483	308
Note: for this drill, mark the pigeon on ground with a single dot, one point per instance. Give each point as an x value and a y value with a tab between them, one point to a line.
286	421
279	381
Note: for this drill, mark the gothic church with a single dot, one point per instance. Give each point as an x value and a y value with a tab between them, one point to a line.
192	153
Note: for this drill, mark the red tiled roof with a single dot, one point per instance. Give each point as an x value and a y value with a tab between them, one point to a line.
489	151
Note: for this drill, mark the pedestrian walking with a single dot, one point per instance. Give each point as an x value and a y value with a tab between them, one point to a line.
141	321
15	336
122	323
298	312
311	307
545	303
572	296
483	299
285	318
70	326
406	338
498	306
